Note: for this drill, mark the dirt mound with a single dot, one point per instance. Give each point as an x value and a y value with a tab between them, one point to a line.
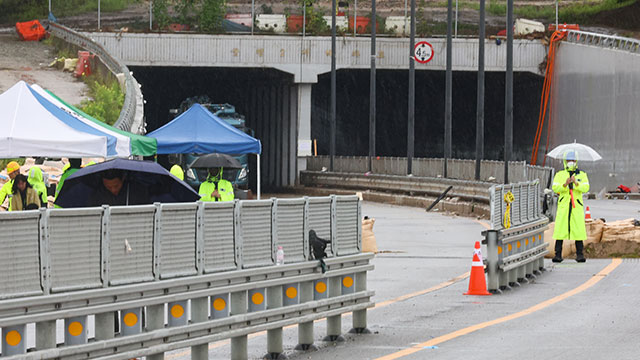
618	248
627	17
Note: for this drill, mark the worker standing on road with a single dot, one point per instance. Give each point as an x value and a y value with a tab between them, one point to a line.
570	184
13	170
74	165
176	170
35	179
216	188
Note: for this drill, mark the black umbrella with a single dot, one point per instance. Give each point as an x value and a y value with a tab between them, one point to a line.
215	161
145	182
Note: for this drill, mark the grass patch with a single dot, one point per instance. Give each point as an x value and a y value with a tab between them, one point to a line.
574	13
106	100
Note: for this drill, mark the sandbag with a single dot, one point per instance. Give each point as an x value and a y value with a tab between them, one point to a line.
594	230
368	238
30	30
624	230
70	64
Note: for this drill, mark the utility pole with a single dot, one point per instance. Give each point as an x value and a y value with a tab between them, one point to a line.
372	89
480	99
411	118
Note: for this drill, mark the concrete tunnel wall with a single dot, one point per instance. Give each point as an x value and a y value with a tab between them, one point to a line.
596	101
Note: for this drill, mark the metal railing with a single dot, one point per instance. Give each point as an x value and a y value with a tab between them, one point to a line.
461	169
605	41
212	265
515	254
132	114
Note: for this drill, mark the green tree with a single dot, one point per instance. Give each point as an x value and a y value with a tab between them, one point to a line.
212	15
185	8
161	13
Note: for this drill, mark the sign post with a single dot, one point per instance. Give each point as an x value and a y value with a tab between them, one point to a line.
423	52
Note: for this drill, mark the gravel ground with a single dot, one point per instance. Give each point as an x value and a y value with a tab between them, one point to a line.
28	61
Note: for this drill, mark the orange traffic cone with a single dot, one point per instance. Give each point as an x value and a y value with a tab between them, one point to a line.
477	282
587	214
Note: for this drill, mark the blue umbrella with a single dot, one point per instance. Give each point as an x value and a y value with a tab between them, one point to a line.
145	182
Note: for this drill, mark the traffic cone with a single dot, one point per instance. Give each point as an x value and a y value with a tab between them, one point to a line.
587	214
477	282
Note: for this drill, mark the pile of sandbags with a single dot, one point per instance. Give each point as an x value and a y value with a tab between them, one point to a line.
625	230
368	238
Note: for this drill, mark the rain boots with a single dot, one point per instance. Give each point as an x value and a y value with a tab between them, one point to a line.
558	257
579	252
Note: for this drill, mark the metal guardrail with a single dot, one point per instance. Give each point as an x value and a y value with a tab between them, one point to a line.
515	254
605	41
464	189
132	114
461	169
211	264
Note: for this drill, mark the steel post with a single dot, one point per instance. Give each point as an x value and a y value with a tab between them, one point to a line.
480	98
492	260
239	343
104	326
360	316
305	330
200	313
332	132
274	336
508	113
448	90
334	323
372	89
46	334
412	91
155	321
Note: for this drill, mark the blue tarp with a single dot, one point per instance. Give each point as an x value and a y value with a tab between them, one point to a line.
198	131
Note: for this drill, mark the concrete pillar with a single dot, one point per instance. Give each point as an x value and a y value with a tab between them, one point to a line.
304	125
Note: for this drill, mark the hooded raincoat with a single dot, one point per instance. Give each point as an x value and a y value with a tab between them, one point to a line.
213	183
570	213
37	182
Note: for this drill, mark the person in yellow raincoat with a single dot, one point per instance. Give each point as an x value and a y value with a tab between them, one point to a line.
216	188
37	182
13	170
176	170
570	184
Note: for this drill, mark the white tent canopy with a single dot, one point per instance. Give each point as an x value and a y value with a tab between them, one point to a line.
29	129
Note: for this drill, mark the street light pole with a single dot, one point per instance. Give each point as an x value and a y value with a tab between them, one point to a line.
480	99
99	15
448	90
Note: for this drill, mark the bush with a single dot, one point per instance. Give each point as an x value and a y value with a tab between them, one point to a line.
160	12
106	103
212	15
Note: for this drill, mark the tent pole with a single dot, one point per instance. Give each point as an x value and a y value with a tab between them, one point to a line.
258	155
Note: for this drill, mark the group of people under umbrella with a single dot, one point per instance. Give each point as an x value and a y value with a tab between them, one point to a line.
118	182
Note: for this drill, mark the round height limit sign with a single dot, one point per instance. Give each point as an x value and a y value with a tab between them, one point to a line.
423	52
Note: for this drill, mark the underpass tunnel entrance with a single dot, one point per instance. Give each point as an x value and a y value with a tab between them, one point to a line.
262	96
352	108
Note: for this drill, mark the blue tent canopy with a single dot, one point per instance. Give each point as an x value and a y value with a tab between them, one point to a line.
198	131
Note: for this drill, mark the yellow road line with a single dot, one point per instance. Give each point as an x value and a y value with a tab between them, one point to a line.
486	226
222	343
435	341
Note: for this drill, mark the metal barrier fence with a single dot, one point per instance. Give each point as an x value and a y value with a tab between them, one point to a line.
461	169
132	114
515	253
208	267
605	41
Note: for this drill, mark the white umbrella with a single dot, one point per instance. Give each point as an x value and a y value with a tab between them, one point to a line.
584	152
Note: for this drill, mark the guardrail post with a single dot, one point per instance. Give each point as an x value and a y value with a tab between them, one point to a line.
14	340
155	321
529	267
239	343
521	270
105	322
46	335
274	336
200	313
305	330
493	283
334	323
360	316
45	330
539	264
